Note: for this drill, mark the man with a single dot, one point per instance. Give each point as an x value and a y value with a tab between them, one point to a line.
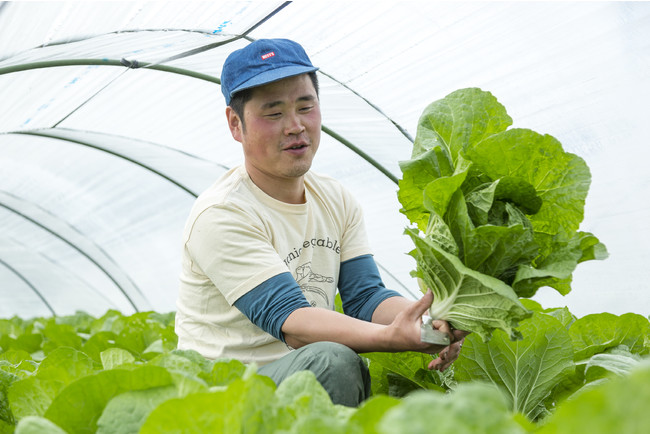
267	245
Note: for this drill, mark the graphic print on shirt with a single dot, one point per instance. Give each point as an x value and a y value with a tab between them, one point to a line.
308	281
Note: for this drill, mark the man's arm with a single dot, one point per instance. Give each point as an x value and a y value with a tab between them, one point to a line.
279	307
386	312
307	325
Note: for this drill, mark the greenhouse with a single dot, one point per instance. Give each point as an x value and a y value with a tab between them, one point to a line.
113	122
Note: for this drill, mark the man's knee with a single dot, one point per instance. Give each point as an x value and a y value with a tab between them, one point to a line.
336	355
341	371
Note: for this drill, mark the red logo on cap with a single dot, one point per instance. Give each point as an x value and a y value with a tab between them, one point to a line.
267	55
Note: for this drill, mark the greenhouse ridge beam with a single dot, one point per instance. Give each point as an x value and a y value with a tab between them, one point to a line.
104	62
189	73
28	283
70	236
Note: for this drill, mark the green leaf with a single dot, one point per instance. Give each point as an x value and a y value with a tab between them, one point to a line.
187	384
605	364
196	358
236	409
303	393
32	396
98	342
563	314
66	365
471	408
126	412
591	247
526	370
595	333
416	175
370	412
519	192
78	406
616	406
224	372
155	348
29	342
556	268
438	192
599	353
459	120
15	357
177	363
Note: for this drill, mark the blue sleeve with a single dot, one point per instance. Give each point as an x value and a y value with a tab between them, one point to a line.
270	303
361	287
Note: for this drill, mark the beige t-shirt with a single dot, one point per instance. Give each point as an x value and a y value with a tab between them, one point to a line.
237	237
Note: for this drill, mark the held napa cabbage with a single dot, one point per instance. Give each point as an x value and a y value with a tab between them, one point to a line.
496	212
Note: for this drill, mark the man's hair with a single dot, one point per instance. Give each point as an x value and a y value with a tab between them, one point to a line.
239	100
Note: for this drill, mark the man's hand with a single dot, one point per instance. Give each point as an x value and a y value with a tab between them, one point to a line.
404	331
411	317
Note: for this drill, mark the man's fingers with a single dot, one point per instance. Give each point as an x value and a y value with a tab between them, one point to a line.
417	309
439	364
446	356
444	327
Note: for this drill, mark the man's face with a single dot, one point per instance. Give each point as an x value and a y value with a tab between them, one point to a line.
282	130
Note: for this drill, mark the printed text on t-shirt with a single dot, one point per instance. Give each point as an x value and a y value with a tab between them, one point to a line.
333	245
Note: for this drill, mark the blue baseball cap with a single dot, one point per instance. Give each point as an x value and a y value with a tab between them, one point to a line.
261	62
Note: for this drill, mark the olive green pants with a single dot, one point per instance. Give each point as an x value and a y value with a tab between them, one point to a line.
341	372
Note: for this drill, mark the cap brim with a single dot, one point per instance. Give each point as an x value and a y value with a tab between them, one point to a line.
273	75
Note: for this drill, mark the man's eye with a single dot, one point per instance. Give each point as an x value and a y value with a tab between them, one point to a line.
273	115
306	109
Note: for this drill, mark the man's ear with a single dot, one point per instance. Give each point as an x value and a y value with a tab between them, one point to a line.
235	124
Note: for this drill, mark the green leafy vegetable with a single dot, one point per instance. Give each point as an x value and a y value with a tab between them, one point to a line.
620	405
492	204
473	408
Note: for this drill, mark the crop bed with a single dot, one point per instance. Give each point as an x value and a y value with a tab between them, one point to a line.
123	374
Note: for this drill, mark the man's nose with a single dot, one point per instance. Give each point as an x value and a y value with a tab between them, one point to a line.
293	125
